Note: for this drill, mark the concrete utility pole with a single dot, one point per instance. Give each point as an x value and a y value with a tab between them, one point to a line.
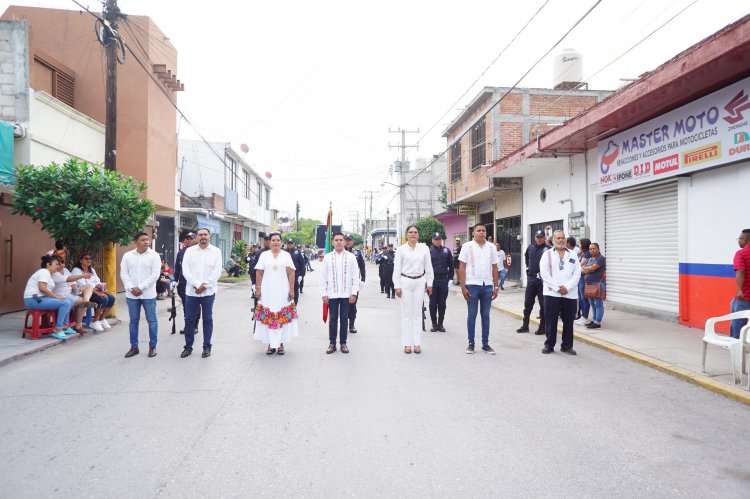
368	221
354	220
402	183
297	216
387	226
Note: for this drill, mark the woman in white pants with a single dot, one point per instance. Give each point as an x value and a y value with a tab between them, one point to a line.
412	272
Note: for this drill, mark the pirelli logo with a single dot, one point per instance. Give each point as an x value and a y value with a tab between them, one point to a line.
702	154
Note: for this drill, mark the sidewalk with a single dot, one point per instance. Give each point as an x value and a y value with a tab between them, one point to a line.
668	347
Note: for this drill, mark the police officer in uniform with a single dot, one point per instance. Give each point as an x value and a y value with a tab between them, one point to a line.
442	266
380	269
190	240
349	246
386	261
534	285
299	266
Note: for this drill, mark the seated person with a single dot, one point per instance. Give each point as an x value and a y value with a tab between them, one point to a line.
104	300
38	295
65	285
233	267
166	278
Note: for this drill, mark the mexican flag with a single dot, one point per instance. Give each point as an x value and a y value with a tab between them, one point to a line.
327	250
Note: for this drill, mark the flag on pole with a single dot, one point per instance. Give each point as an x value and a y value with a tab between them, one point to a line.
327	250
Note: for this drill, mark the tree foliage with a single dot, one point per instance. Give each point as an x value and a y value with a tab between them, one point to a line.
240	249
306	232
427	226
81	203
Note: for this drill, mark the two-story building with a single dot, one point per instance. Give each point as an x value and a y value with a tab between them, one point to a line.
221	191
496	122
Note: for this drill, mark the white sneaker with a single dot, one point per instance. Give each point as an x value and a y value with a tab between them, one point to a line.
105	324
96	326
583	321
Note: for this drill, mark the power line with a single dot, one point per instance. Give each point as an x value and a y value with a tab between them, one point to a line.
584	16
507	46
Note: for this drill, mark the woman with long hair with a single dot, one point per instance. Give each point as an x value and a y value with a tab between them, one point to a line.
412	274
39	295
101	297
275	314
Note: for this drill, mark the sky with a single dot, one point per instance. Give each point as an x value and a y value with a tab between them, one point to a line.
313	88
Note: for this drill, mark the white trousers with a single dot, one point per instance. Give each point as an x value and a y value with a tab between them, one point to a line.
412	297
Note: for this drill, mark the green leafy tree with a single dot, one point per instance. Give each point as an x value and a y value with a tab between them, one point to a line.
306	232
81	203
427	226
298	237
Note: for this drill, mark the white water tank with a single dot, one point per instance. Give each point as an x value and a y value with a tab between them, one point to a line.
568	69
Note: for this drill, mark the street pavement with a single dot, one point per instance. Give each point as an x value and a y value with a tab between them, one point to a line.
79	420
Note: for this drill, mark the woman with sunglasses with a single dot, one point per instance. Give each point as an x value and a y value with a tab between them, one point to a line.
103	300
412	274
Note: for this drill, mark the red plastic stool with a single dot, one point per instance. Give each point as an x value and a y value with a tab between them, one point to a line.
42	322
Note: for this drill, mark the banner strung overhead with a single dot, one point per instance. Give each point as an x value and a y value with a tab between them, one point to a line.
711	131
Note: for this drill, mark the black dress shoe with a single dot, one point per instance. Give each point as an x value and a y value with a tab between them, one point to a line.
353	330
547	350
152	352
433	328
441	328
133	351
186	352
569	351
523	329
206	352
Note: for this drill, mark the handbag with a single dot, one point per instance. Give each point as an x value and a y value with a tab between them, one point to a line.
592	290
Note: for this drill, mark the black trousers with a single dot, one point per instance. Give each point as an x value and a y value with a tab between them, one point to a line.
388	278
353	311
437	300
382	279
534	291
296	290
181	293
565	308
338	310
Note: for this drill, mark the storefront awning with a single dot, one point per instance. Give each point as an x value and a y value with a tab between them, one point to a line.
7	172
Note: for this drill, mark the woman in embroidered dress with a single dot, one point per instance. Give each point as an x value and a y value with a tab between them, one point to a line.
412	273
275	315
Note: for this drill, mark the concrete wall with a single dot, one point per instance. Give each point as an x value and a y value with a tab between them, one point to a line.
14	72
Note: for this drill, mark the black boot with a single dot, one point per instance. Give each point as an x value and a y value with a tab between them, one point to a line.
540	331
440	326
524	327
434	327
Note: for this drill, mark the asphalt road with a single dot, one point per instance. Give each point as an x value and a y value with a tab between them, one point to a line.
80	420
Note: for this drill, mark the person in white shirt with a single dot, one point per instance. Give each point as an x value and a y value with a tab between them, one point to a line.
412	273
501	262
478	276
139	270
65	285
339	286
202	268
560	272
38	295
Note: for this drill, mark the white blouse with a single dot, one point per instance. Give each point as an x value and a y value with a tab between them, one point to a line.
412	262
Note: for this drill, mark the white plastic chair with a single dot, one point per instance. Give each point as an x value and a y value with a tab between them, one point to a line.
734	345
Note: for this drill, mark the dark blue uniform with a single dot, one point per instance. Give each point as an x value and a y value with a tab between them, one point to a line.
442	266
534	286
181	284
387	261
353	306
299	270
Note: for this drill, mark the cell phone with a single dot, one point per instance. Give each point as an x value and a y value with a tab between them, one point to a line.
36	298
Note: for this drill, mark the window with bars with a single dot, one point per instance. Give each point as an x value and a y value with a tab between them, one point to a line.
478	139
455	161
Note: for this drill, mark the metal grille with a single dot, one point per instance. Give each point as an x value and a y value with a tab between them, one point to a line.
642	248
65	87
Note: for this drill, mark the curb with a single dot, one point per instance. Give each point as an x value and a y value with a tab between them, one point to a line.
51	344
729	391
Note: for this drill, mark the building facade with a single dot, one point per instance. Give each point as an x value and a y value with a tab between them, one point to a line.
498	121
656	174
221	191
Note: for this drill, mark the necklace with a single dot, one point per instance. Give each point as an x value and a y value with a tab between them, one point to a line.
275	257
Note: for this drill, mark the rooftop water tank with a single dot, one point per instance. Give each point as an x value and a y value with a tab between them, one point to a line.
568	70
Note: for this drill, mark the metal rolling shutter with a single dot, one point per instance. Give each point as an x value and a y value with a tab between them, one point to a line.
642	247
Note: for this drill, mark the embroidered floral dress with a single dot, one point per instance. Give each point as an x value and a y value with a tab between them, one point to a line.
276	315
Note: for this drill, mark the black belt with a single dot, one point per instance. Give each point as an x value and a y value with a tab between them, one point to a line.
412	276
529	274
442	276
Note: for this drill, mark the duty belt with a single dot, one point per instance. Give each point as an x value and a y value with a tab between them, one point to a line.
412	276
442	276
529	274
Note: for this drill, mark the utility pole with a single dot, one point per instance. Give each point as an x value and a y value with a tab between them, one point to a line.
354	220
297	216
402	184
112	16
110	40
387	226
368	221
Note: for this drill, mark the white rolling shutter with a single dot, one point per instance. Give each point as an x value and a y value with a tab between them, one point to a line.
641	247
